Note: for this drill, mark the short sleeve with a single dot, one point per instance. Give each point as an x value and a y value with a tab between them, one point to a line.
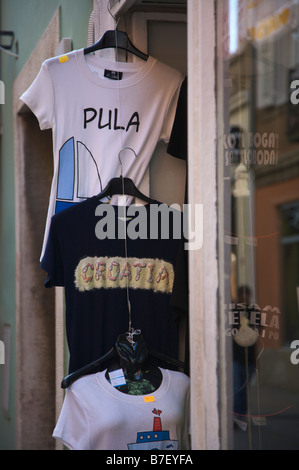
170	113
178	143
179	296
52	261
72	425
39	97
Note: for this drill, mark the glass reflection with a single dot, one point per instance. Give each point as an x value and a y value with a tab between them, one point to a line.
261	156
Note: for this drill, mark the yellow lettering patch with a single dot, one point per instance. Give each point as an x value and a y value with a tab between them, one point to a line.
104	273
63	58
266	27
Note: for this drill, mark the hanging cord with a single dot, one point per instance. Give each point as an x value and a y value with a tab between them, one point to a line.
90	33
116	21
131	334
121	168
131	331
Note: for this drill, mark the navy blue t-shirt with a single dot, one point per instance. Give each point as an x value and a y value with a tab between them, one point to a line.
98	270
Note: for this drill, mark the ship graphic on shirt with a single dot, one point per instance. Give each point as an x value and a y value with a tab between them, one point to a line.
156	439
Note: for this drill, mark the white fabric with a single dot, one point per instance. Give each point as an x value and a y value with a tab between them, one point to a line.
97	416
93	117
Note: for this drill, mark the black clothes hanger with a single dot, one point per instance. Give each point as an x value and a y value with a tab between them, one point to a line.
123	186
120	185
140	378
128	356
115	39
118	40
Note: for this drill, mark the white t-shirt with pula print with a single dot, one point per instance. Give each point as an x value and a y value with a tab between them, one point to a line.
95	108
97	416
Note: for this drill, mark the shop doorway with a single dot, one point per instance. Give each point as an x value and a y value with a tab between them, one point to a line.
35	305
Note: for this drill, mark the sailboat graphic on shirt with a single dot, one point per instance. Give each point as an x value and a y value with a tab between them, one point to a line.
157	439
69	172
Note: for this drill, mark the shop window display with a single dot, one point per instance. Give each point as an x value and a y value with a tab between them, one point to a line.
260	159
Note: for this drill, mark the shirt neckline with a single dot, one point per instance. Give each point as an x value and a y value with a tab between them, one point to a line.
139	70
115	206
136	399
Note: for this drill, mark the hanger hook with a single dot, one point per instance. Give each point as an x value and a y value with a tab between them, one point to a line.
110	12
120	161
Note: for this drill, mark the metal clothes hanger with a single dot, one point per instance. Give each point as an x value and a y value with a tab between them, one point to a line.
123	186
115	39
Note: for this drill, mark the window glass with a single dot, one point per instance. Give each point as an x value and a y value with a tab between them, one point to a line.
258	163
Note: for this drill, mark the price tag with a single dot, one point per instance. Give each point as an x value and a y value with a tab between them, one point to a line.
149	398
117	377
